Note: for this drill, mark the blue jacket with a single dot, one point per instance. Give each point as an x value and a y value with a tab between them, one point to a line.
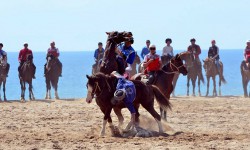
144	52
96	53
129	52
130	93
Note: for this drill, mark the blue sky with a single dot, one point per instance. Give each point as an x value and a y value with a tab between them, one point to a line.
77	25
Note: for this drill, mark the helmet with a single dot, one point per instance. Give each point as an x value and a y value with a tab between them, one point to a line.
168	39
193	39
119	95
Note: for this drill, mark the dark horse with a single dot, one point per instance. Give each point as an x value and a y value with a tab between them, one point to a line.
52	75
164	77
3	75
26	74
211	71
193	74
245	73
103	87
109	63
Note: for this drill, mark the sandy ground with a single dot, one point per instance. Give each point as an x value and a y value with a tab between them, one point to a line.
194	123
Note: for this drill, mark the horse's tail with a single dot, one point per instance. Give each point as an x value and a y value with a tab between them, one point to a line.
161	99
223	80
202	78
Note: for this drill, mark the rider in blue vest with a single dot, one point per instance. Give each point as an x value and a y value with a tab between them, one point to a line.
3	56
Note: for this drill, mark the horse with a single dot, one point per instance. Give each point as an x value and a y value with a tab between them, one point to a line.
164	77
26	74
137	61
193	74
95	66
103	87
245	73
109	63
52	76
3	75
211	71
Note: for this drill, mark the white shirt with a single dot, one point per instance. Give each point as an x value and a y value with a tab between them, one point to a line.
167	50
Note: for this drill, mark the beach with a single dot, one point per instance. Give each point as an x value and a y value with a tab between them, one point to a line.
193	123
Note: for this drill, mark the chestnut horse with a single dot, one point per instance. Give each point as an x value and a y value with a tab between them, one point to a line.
245	73
103	87
164	77
109	63
211	71
3	75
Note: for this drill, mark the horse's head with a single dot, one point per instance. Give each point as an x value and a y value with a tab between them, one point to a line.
95	86
176	65
3	62
188	58
208	63
50	61
119	37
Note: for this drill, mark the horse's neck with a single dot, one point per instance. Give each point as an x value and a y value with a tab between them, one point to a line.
109	51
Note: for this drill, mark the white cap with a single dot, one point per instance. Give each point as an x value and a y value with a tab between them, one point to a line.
248	41
152	46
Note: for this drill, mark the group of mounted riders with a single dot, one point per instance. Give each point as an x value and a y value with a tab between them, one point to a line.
25	56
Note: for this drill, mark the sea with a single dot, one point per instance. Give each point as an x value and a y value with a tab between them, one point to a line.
78	64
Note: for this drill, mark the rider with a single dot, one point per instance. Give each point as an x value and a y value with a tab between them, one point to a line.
213	53
168	49
127	52
3	55
247	52
152	63
196	51
126	92
54	52
23	54
98	51
145	50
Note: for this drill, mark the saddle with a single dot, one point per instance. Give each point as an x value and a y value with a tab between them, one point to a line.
144	77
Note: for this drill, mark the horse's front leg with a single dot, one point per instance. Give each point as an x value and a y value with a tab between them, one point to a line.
4	95
31	95
188	80
107	118
48	88
214	90
199	86
118	113
208	82
22	91
56	93
193	83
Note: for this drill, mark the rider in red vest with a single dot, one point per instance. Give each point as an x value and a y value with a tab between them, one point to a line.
54	52
152	63
247	52
23	56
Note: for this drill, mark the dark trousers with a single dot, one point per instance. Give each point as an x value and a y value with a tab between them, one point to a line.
151	77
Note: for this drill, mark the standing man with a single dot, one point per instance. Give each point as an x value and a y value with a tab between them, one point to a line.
152	63
54	51
145	50
213	53
196	51
23	56
3	56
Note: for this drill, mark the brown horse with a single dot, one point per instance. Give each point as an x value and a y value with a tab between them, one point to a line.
26	74
137	61
3	75
164	77
109	63
104	86
95	66
53	71
245	73
194	72
211	71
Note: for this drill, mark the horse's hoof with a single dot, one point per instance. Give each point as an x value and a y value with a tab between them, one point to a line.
57	98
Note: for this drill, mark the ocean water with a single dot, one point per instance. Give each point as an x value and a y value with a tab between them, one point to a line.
76	65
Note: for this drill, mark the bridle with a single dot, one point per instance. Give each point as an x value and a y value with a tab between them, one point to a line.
172	70
94	93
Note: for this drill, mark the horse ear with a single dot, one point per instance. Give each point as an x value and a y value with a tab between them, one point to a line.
176	56
88	76
203	60
108	33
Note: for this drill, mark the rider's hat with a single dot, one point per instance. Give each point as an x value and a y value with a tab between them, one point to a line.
1	44
193	39
100	43
248	41
120	94
25	43
152	46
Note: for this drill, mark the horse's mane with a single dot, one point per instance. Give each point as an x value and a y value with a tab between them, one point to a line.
103	76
